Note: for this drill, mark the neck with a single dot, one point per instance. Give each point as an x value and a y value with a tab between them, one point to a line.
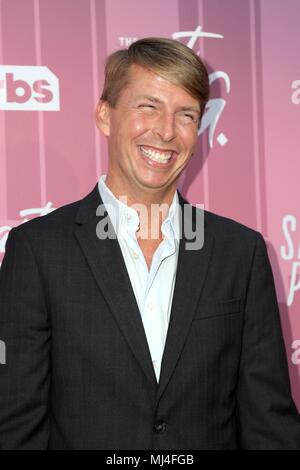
142	196
152	204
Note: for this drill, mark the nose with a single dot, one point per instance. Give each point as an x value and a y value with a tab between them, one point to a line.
164	127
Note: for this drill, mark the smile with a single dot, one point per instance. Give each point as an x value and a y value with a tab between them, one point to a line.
155	155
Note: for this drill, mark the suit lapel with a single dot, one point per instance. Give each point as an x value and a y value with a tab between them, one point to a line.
107	265
191	273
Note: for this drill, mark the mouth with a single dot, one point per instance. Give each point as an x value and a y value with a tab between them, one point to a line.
162	157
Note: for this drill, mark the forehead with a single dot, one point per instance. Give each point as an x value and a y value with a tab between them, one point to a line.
143	82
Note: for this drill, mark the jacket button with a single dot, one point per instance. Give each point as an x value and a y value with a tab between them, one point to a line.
160	427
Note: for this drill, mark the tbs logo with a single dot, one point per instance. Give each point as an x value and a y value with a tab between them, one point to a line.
28	88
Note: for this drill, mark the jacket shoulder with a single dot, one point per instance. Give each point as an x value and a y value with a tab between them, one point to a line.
59	219
226	227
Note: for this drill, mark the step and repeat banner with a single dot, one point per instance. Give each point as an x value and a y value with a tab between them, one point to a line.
247	164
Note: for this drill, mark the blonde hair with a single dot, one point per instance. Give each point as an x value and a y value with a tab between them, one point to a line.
168	58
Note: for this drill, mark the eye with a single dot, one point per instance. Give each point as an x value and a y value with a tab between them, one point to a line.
188	118
144	105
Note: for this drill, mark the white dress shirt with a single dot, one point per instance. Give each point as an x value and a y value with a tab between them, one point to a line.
153	289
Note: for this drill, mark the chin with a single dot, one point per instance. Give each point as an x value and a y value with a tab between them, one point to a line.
154	184
153	180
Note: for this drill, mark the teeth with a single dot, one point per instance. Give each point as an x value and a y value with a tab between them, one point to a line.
156	156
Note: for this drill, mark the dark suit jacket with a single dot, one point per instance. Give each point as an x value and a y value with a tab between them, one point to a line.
79	373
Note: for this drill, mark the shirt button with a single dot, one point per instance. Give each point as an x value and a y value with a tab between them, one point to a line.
135	256
128	216
154	364
150	305
160	427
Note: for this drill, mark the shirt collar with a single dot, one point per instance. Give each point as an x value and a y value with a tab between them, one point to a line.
126	218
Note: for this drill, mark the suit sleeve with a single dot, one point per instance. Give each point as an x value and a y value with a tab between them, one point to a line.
24	329
267	415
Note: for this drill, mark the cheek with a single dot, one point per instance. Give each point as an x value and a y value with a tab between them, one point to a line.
125	133
138	125
129	129
190	139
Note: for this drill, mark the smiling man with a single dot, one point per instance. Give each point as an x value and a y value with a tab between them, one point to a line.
120	334
152	132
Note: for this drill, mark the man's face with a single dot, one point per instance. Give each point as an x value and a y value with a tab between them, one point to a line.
152	133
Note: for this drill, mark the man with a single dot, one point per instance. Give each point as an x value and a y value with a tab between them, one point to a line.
120	335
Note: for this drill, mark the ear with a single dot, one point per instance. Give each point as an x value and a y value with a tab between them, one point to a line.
103	117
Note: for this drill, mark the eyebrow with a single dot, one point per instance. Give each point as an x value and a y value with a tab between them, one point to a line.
153	99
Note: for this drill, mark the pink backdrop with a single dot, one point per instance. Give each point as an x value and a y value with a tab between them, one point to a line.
247	164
